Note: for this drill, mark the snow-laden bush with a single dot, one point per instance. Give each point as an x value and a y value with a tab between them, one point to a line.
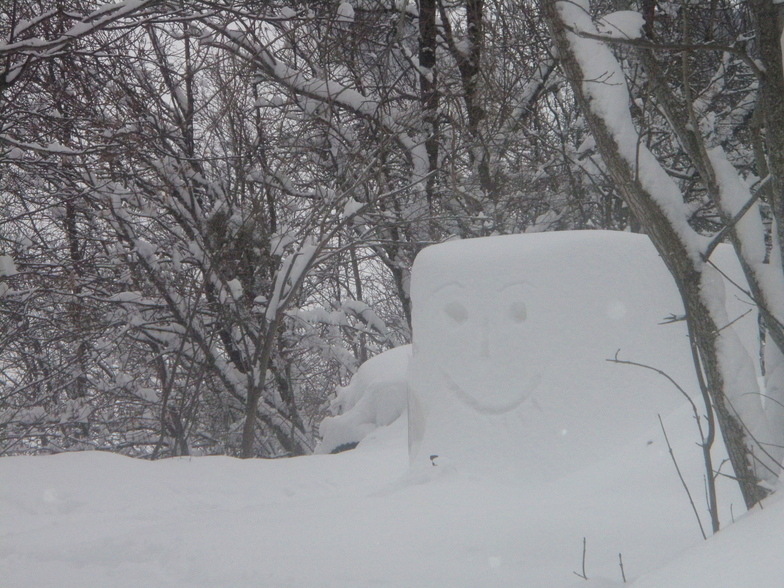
375	397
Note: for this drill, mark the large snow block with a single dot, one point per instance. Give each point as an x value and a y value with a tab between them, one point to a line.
511	341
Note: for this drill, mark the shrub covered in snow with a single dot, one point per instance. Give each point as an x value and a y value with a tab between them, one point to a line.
375	397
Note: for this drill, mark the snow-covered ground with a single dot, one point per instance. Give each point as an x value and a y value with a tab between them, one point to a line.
367	518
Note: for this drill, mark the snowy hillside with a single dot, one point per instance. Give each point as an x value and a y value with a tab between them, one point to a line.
543	449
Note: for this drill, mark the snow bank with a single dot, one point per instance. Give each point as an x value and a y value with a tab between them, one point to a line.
747	553
92	520
375	397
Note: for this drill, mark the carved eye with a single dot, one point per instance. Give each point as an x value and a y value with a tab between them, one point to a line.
517	311
456	311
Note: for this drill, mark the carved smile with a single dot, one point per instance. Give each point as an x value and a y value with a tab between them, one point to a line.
494	408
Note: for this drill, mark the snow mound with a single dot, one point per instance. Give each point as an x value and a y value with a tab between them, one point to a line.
747	553
375	397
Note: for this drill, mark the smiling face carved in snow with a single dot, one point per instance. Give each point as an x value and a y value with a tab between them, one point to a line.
473	336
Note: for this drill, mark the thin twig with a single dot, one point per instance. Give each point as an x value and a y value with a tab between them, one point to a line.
583	576
719	237
620	563
754	458
672	318
733	321
658	371
680	475
706	440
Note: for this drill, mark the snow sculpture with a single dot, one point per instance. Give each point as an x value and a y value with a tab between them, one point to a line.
503	328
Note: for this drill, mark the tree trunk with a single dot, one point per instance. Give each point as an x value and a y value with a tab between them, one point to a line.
769	18
255	388
429	89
